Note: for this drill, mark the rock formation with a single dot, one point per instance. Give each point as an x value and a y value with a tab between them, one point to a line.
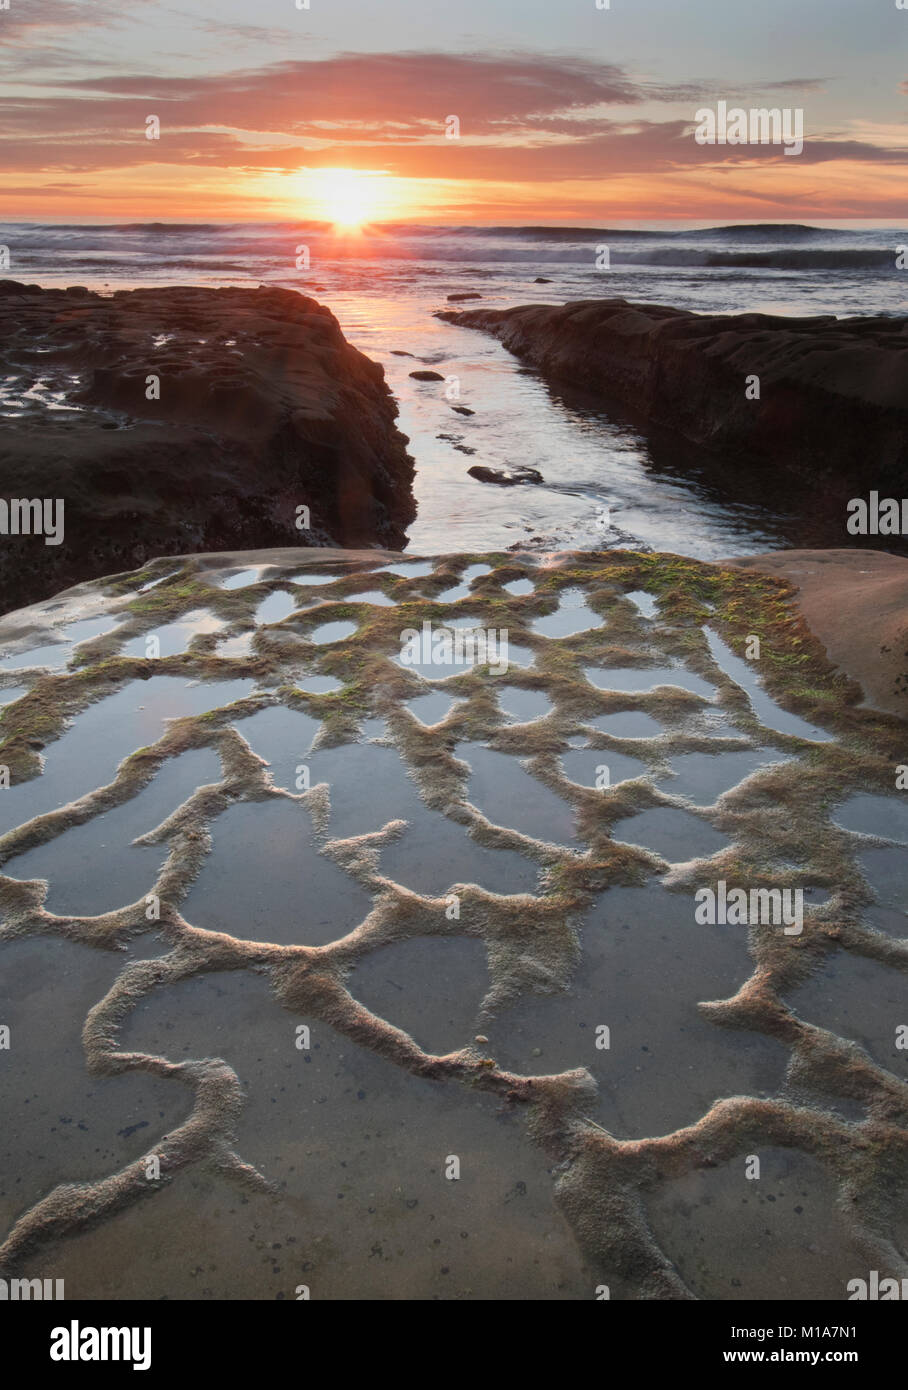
833	393
185	419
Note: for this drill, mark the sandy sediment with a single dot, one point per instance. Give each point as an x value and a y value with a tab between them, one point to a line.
833	393
179	419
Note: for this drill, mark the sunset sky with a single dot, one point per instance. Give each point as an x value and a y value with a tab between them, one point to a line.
568	114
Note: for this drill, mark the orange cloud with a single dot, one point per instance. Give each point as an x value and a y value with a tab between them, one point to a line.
559	132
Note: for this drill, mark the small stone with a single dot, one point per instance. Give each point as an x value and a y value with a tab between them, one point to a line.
505	477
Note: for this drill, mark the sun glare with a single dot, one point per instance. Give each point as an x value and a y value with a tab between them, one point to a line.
345	197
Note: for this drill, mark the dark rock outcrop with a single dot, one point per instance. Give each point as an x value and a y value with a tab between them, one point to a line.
833	400
186	419
505	477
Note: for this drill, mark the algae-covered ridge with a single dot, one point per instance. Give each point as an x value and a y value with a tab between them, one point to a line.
777	822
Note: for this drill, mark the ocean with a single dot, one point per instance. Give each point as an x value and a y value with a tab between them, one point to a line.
607	484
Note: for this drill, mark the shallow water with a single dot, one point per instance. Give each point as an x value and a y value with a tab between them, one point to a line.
343	888
886	870
651	1076
236	646
764	707
524	706
602	768
373	596
431	708
70	863
643	602
241	579
172	638
675	835
505	793
433	855
275	607
518	587
861	1000
264	880
797	1245
606	483
462	589
572	615
634	678
626	724
330	632
361	1147
702	779
318	685
69	1126
310	578
494	650
87	754
886	816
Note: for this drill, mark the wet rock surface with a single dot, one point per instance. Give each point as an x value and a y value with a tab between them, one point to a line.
385	979
260	407
504	477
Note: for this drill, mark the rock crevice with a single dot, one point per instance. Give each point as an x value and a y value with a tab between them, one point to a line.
833	393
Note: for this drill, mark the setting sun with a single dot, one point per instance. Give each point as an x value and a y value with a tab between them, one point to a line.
346	197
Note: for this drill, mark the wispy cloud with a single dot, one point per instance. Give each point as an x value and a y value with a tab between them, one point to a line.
543	117
24	22
526	119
